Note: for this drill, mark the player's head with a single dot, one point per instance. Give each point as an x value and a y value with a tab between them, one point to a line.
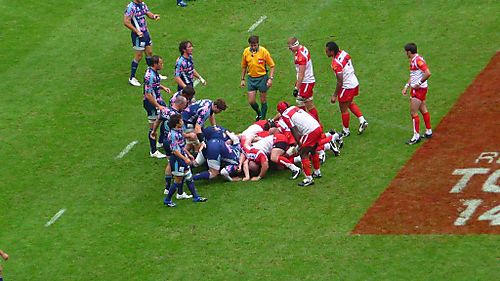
180	103
293	44
331	49
157	62
253	41
219	105
186	47
188	92
175	121
253	168
282	106
411	48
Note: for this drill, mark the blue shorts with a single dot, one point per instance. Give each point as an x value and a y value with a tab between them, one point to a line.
151	111
179	167
140	43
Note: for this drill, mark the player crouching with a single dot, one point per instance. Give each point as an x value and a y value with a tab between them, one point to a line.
180	161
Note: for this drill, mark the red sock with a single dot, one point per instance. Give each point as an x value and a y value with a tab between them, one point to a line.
427	120
315	160
314	113
325	140
306	166
355	109
416	124
282	160
345	120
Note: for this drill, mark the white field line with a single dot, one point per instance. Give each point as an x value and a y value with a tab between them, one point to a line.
55	217
257	23
126	149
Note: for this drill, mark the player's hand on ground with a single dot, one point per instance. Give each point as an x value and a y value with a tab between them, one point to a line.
333	99
235	178
256	178
246	179
5	256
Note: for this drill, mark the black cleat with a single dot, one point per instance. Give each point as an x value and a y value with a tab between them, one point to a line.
295	174
362	127
306	182
413	141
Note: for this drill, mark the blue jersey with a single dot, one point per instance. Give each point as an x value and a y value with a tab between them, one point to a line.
138	13
177	141
198	112
165	116
152	85
178	93
222	153
184	68
215	132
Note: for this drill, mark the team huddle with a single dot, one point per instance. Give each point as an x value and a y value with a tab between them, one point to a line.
293	138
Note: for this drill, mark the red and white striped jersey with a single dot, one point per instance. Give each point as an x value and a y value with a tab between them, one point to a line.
303	57
256	155
418	66
301	120
342	63
264	144
255	128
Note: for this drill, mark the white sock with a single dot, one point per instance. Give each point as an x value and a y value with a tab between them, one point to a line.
327	146
297	159
346	130
361	119
428	131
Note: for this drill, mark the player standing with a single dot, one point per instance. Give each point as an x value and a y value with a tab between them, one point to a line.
419	73
255	61
153	101
347	87
134	19
303	91
184	67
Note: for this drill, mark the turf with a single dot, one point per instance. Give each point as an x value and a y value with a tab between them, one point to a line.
66	111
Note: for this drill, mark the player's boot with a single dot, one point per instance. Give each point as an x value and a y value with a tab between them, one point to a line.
169	203
295	174
184	195
316	174
200	199
362	127
134	82
413	140
306	182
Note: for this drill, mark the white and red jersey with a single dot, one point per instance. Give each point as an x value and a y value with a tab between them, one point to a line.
264	144
418	66
256	155
301	120
342	63
303	57
255	128
283	128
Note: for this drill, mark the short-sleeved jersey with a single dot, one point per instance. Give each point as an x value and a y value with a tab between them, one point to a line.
256	155
137	13
174	97
255	128
215	132
256	62
152	85
184	68
418	66
301	120
342	63
177	141
198	112
264	144
303	57
165	115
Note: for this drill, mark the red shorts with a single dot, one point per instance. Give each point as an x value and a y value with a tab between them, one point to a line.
419	93
312	139
346	95
306	90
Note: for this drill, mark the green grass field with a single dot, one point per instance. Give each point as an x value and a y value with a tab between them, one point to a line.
66	111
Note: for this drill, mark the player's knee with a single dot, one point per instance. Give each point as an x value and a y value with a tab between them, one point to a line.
138	56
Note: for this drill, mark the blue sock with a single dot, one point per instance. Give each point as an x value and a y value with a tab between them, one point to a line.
171	191
152	142
148	61
202	176
192	189
133	69
168	181
180	188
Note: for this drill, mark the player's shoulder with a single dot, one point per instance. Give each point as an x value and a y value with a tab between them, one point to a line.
263	49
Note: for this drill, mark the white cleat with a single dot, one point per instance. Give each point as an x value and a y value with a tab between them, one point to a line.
157	154
134	82
183	196
362	127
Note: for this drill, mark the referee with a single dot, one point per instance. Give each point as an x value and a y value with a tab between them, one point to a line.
255	62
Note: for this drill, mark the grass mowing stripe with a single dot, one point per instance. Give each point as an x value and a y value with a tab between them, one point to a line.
55	217
126	149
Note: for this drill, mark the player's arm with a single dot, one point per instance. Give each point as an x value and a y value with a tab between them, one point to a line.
211	119
264	166
153	16
165	88
179	155
127	21
300	76
4	255
246	170
244	66
153	101
197	75
338	87
179	81
155	126
295	135
270	63
405	88
177	75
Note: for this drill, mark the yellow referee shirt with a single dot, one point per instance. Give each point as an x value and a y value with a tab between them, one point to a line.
256	62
